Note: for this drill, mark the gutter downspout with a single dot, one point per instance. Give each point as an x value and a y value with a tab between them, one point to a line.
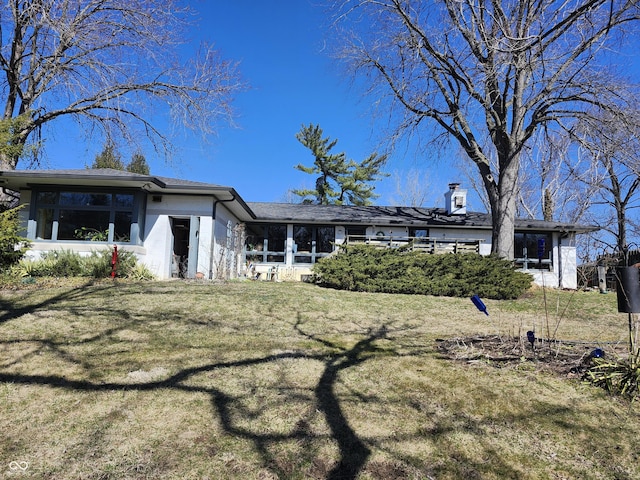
213	230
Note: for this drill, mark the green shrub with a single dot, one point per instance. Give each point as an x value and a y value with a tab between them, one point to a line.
369	269
61	263
99	265
12	245
34	268
66	263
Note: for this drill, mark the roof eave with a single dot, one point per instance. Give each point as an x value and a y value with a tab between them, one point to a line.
16	180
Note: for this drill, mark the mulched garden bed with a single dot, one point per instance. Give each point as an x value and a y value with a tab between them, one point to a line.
565	358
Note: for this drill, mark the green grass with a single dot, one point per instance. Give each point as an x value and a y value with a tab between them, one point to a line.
256	380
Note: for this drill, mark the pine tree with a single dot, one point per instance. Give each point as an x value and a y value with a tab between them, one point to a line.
340	181
108	158
111	158
138	164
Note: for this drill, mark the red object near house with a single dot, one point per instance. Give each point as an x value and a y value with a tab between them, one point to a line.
114	261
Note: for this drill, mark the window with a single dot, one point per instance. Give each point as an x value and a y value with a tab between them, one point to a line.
356	234
533	250
418	232
419	236
85	216
311	243
266	243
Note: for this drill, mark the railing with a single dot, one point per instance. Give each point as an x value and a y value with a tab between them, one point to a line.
422	244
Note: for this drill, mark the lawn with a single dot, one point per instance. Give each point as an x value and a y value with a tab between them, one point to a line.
257	380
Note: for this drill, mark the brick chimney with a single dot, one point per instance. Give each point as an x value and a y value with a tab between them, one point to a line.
456	200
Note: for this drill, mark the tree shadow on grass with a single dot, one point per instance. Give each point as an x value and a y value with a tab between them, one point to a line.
322	398
11	313
352	450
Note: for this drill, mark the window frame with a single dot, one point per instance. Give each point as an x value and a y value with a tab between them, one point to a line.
532	262
264	254
47	215
356	233
313	254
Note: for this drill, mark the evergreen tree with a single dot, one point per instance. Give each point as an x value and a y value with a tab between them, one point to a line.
9	130
111	158
138	164
340	181
108	158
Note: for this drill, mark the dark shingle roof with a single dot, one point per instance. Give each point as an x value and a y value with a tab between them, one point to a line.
275	212
387	215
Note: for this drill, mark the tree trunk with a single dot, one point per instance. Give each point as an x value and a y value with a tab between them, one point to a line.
6	162
621	219
503	223
503	201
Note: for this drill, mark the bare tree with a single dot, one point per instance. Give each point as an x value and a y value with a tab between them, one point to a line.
413	188
610	144
108	64
487	74
547	185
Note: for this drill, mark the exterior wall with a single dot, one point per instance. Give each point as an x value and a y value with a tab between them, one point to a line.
390	231
214	259
569	263
341	235
158	238
548	278
465	234
222	257
225	260
157	241
562	275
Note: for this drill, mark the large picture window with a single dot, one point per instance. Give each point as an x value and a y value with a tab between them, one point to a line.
86	216
312	242
266	243
533	250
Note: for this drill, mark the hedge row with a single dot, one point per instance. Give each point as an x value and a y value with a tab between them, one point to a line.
368	269
64	263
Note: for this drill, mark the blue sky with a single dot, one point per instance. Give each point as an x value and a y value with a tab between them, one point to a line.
280	45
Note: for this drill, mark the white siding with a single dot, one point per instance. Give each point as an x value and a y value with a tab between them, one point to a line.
215	259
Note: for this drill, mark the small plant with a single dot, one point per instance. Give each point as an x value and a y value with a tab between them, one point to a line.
618	377
140	273
63	263
25	268
91	234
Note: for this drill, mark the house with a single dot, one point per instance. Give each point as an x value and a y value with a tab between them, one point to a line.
188	229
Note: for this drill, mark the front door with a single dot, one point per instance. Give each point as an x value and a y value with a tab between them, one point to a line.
184	253
180	228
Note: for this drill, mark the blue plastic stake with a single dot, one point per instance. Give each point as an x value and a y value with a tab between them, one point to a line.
531	336
479	304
